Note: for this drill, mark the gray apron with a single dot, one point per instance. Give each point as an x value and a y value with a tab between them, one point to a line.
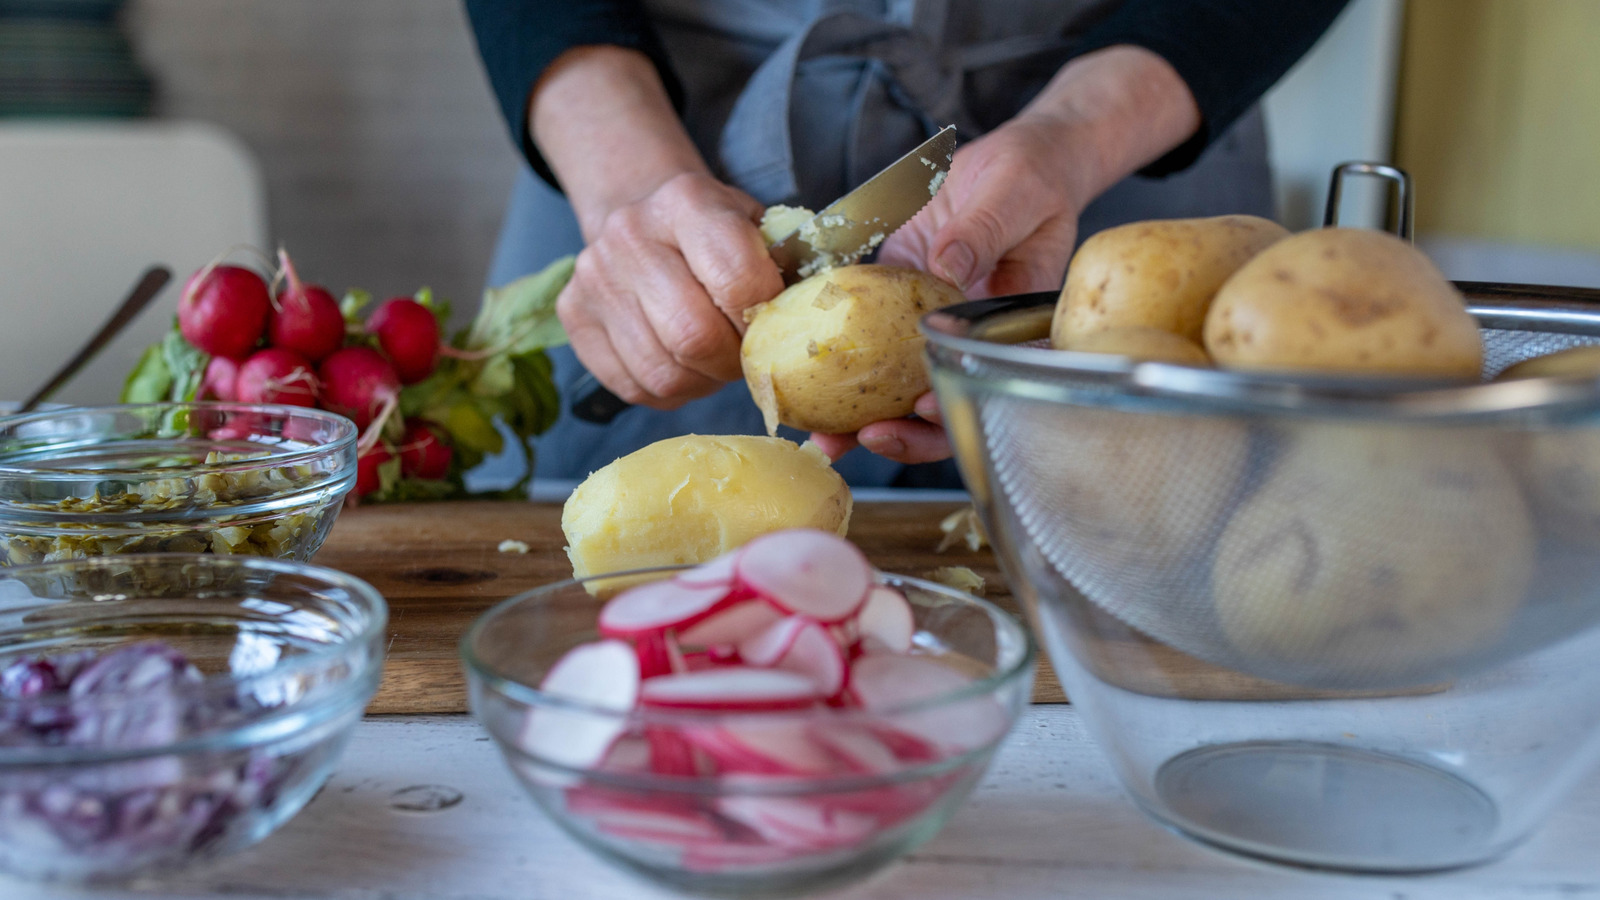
797	101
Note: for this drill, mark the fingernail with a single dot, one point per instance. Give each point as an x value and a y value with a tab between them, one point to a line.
957	262
885	445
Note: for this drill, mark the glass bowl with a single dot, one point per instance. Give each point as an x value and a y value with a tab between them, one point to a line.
780	832
1344	623
171	478
124	772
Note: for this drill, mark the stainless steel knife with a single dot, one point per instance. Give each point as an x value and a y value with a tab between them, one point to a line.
846	230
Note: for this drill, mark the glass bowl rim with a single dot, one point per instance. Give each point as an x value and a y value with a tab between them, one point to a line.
368	600
532	697
344	437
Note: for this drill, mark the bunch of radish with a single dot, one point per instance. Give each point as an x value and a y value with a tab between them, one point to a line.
782	660
294	346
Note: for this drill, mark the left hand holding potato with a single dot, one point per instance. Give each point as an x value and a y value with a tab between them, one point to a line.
1006	219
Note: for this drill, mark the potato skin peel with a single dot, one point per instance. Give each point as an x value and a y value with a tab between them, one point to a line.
841	349
689	499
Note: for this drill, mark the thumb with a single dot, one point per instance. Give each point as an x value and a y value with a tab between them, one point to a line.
987	219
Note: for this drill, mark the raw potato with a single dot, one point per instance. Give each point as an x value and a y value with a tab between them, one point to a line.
1128	498
1372	554
1343	300
1560	468
1159	274
690	499
841	349
1143	344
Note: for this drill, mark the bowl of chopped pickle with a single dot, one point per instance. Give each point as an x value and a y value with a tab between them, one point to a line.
223	478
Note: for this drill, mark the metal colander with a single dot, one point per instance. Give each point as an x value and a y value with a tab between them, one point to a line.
1328	532
1325	532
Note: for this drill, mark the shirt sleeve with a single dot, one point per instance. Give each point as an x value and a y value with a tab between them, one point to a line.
1229	52
519	39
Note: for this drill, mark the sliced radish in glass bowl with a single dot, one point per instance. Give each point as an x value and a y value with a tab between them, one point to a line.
766	726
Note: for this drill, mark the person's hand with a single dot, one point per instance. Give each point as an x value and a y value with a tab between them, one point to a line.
1003	223
655	307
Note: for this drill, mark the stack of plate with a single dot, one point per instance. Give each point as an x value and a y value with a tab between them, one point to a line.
68	58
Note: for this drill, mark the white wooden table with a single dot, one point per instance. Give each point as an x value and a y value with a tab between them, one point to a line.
1049	821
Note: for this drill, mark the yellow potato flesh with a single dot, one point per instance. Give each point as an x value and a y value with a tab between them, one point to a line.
841	349
690	499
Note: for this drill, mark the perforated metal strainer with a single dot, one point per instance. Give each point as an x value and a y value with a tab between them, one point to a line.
1326	532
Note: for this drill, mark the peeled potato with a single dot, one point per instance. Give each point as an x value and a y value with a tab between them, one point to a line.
1343	300
1370	553
841	349
690	499
1158	274
1143	344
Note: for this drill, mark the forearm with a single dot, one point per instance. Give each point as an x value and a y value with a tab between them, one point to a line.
1117	110
604	122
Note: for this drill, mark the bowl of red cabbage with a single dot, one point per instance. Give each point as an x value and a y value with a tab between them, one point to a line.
161	709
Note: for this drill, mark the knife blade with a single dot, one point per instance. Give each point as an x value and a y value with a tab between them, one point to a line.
843	232
855	224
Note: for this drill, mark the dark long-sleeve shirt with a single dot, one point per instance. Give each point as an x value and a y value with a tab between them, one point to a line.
1229	52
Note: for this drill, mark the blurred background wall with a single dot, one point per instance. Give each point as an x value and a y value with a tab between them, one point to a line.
364	138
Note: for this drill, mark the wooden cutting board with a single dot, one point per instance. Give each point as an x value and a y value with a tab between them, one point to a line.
439	566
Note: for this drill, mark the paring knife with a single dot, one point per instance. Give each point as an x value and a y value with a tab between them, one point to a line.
843	232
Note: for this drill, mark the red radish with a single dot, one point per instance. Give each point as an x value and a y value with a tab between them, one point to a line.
718	571
223	310
276	375
627	754
656	606
797	822
808	572
730	689
749	746
730	626
422	453
654	656
733	856
219	379
604	674
359	383
409	335
799	645
883	681
885	620
306	318
367	478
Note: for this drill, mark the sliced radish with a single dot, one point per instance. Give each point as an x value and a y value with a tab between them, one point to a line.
644	817
858	749
886	620
731	625
749	746
731	689
797	822
657	606
884	681
670	752
604	674
717	572
807	572
892	803
799	644
655	656
627	754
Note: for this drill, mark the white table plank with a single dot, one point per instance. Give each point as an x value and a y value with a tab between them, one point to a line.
1049	821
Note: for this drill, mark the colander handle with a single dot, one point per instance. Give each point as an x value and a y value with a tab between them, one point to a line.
1397	176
